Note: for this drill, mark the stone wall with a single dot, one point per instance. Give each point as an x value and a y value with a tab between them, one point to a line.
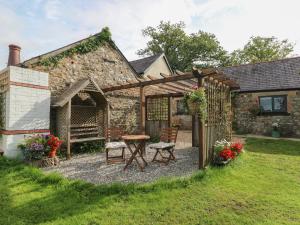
246	121
108	68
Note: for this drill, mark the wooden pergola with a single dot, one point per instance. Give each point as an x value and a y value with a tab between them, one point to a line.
218	88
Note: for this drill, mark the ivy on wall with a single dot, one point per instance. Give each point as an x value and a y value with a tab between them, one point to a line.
2	110
89	45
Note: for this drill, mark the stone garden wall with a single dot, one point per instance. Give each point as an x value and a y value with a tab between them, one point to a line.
107	67
246	121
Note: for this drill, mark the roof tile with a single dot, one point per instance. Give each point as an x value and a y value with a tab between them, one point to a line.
264	76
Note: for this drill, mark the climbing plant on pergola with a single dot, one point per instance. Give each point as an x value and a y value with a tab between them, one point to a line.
218	86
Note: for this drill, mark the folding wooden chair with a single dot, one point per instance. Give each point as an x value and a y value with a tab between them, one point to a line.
165	146
114	141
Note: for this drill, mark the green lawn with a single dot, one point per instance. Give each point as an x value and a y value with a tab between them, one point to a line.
261	187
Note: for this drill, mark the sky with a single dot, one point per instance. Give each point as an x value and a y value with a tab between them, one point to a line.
39	26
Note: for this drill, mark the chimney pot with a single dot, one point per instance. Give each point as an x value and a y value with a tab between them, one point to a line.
14	55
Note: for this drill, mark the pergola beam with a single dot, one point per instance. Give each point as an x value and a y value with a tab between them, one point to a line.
185	76
179	94
182	83
172	86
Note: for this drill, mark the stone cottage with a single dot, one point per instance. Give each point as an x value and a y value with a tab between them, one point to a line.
97	58
74	75
269	93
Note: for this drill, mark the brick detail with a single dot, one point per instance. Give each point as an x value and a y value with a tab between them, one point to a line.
14	132
20	84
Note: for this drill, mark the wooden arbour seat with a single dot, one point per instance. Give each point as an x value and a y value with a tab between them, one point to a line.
82	113
83	133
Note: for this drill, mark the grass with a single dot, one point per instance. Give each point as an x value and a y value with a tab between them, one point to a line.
261	187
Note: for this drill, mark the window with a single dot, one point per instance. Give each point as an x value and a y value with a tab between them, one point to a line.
157	109
273	104
181	108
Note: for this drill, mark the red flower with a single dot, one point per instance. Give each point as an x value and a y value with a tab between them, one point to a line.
54	142
236	147
226	154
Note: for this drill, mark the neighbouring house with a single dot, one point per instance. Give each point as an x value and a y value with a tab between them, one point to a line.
152	66
269	93
157	66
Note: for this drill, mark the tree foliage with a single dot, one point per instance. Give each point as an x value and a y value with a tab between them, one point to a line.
183	50
260	49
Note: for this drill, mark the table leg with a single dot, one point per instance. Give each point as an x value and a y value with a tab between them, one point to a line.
141	148
133	157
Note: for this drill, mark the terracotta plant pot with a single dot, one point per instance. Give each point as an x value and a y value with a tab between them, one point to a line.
52	153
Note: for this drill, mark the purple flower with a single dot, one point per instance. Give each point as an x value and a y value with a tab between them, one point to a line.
36	147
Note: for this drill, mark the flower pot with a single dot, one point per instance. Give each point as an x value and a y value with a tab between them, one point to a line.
220	161
193	107
52	153
275	133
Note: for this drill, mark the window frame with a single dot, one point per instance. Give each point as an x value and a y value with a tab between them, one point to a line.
181	102
284	111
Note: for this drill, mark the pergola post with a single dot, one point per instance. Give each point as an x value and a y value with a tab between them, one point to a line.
202	153
169	111
142	110
68	123
107	116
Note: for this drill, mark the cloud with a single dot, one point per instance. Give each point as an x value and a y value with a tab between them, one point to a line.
40	26
52	9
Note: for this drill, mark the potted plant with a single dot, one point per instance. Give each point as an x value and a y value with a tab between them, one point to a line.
54	143
275	130
225	151
196	102
38	148
220	157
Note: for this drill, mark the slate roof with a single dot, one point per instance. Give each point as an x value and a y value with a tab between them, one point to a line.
281	74
141	65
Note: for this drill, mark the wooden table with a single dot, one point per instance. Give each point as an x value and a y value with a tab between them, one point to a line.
139	143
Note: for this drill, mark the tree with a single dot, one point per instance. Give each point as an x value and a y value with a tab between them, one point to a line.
259	49
183	51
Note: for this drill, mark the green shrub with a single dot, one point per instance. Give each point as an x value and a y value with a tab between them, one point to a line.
88	147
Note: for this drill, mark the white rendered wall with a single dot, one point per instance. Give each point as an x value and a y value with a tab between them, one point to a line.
27	106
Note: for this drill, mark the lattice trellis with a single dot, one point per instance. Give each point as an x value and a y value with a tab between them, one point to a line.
2	110
157	109
4	82
219	119
83	116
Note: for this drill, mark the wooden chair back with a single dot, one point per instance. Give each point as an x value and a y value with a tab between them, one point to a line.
114	134
169	134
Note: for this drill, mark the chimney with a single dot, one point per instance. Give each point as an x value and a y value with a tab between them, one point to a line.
14	55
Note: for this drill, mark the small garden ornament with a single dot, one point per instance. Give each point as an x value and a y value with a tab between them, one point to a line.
275	130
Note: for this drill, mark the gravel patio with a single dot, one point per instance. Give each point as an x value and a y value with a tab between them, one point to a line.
93	168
